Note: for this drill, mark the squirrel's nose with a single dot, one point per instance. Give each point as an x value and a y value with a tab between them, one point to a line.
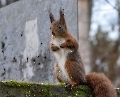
53	33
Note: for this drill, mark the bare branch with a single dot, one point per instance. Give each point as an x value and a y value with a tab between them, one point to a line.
112	5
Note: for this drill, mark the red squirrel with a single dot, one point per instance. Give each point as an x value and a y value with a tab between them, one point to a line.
69	68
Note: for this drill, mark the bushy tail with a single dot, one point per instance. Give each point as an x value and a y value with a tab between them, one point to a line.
101	85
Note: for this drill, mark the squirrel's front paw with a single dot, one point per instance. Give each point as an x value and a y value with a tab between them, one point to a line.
62	46
54	48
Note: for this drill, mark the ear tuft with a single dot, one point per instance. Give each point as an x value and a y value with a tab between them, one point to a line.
61	12
51	17
62	18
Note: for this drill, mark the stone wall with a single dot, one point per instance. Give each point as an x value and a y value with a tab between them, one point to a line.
25	38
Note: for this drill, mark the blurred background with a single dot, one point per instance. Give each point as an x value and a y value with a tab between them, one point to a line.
99	36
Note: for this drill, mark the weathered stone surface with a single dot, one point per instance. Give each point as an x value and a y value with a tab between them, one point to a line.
25	38
23	89
27	89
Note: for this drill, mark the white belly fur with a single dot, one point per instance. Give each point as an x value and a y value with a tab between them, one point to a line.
61	56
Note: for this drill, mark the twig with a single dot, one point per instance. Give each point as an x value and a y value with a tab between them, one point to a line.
112	5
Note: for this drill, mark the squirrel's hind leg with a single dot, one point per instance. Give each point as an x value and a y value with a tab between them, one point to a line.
56	72
75	72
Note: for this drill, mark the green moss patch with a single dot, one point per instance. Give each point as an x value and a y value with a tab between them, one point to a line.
29	89
26	89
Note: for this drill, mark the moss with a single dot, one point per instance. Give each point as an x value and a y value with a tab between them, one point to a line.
29	89
24	89
10	96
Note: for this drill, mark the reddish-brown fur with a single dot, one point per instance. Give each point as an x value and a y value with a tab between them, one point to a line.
102	87
74	64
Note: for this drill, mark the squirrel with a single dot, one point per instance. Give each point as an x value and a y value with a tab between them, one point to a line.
69	68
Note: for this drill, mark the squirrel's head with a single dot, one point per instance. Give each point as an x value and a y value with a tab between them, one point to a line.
58	27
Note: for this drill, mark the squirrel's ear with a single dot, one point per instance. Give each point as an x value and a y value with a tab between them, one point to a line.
51	17
62	19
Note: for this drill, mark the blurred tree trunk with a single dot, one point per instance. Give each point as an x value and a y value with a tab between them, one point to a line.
0	4
119	21
84	15
117	47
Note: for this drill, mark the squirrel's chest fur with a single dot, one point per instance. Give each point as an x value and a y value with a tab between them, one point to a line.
61	57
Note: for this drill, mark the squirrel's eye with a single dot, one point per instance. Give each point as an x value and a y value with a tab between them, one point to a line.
59	26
